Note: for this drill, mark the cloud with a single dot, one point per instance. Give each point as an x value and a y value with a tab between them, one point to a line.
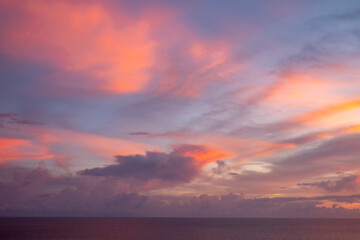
199	64
202	154
79	37
298	90
327	49
343	146
319	123
181	165
220	168
116	52
139	133
328	111
46	194
110	74
318	79
7	115
13	118
15	148
322	135
153	165
350	183
24	142
305	164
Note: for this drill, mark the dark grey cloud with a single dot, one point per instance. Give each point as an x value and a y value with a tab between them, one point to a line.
341	148
346	183
13	118
154	165
139	133
220	168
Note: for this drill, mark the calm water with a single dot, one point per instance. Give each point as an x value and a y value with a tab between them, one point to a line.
181	228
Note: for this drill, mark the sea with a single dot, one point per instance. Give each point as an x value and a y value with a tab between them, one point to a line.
179	229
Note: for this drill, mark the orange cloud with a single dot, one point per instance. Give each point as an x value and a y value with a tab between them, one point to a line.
247	149
65	147
328	111
272	148
324	101
333	204
303	90
242	149
202	154
16	149
353	129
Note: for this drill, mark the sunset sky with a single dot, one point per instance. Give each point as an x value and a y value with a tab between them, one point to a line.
180	108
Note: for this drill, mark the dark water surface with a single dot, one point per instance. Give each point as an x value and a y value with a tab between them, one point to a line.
179	228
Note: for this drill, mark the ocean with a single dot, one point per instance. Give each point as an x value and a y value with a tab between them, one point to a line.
179	228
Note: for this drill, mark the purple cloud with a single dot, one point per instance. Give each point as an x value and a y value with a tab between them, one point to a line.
153	165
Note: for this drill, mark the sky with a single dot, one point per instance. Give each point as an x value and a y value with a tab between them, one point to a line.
177	108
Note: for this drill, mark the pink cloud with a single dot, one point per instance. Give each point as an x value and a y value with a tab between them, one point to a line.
120	52
114	49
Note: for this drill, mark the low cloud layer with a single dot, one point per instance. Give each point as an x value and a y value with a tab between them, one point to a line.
44	194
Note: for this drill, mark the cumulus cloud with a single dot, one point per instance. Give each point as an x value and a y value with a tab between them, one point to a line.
153	165
181	165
